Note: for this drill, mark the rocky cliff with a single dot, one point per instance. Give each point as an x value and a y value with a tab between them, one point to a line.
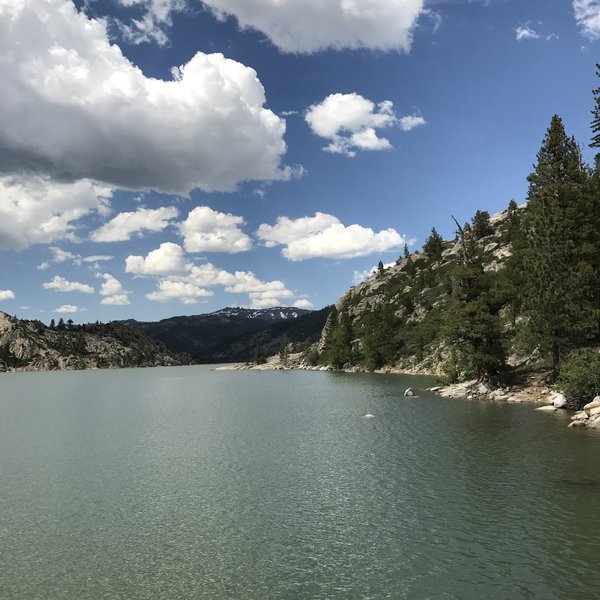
31	346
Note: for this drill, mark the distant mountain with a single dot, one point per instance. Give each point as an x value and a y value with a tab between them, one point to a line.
32	346
231	334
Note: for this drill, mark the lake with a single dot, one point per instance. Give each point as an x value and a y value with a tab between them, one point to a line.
180	483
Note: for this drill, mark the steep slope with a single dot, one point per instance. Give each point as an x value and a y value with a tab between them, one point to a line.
396	317
31	346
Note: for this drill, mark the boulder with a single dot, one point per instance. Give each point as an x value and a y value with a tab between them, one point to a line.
559	401
549	408
593	404
409	393
577	424
594	411
580	416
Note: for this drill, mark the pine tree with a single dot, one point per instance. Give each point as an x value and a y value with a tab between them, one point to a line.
259	357
481	225
61	324
380	269
52	324
284	350
472	324
556	300
434	245
337	350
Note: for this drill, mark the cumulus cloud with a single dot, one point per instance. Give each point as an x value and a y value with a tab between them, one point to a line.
303	303
186	293
351	122
74	107
325	236
68	309
206	230
60	284
36	210
587	15
7	295
312	25
121	227
524	32
112	291
168	259
409	122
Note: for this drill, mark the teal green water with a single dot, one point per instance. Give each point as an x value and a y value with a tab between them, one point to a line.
190	483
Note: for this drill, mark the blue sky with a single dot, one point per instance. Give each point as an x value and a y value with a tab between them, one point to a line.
294	145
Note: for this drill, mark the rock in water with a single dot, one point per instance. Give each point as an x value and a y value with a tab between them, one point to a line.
368	416
408	393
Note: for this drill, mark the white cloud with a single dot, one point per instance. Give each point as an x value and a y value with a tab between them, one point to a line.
7	295
152	24
60	284
326	237
96	258
43	266
168	259
192	284
187	293
313	25
112	291
351	122
288	230
409	122
68	309
303	303
60	256
206	230
74	107
38	211
587	15
524	32
124	225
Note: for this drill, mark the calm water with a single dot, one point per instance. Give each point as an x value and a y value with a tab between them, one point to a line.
189	483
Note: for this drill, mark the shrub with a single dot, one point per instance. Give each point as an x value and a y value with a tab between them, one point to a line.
579	376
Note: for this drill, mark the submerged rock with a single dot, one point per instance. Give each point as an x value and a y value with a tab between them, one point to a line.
409	393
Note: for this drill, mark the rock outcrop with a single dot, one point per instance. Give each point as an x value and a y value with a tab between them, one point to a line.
31	346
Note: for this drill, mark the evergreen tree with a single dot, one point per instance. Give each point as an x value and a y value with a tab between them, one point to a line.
380	269
472	324
259	357
555	278
481	225
284	350
52	324
337	350
434	245
61	324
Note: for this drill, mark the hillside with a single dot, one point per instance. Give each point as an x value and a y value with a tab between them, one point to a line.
232	334
31	346
397	317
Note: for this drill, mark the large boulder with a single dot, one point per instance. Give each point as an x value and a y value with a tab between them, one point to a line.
559	401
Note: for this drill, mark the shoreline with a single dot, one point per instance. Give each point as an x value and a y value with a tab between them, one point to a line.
534	391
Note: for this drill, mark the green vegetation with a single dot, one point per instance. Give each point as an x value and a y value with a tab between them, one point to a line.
579	377
524	283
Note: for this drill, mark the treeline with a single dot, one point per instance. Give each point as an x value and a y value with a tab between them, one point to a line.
529	282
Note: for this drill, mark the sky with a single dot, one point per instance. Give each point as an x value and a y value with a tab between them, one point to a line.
173	157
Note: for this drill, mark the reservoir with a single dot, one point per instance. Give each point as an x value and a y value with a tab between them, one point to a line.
187	482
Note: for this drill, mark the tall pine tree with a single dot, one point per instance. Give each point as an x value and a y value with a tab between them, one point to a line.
556	297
